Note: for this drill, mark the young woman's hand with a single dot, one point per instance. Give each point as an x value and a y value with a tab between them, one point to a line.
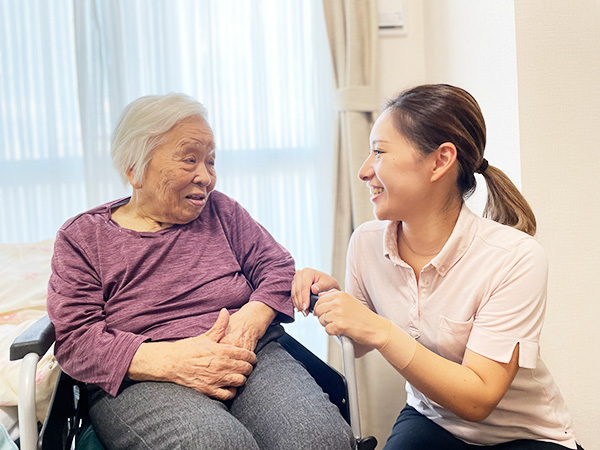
342	314
307	281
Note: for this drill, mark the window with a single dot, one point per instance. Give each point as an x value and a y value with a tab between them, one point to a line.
261	68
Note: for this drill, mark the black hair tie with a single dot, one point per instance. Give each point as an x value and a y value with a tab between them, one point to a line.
483	167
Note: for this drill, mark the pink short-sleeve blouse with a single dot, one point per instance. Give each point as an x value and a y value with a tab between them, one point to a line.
485	291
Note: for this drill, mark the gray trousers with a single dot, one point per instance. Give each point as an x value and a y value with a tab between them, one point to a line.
280	407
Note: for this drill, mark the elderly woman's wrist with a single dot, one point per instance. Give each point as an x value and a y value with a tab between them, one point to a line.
262	310
143	366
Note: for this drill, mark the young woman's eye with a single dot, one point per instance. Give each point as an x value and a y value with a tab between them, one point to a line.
377	152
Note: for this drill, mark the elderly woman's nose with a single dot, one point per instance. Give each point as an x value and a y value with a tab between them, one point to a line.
203	175
365	173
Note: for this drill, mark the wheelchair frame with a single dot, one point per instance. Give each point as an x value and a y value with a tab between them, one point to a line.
34	342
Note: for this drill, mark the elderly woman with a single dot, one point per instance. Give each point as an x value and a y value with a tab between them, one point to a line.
168	304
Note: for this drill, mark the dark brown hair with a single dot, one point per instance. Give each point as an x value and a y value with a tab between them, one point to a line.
432	114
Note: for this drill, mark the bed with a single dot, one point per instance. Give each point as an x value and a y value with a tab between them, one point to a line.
24	274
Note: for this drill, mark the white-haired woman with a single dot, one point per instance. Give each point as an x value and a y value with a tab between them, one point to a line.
167	303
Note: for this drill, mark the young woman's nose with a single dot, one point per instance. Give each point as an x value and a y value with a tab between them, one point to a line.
365	173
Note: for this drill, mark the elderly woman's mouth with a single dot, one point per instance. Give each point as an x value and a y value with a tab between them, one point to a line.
197	199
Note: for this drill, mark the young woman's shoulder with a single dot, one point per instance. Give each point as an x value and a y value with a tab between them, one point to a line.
370	238
508	239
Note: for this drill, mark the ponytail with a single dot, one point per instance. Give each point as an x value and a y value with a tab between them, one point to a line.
505	204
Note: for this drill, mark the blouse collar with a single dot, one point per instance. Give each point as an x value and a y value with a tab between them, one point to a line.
453	250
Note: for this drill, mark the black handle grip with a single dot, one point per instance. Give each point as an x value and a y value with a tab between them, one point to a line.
313	300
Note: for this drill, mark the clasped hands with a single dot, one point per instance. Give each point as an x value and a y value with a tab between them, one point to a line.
215	363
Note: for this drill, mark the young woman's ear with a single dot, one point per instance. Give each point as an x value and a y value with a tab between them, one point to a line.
131	179
444	159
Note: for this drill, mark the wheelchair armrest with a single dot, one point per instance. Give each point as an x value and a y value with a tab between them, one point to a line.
30	346
36	339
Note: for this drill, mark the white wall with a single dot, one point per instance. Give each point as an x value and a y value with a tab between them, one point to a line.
402	57
558	48
534	68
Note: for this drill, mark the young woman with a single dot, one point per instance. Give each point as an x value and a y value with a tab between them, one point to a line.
453	301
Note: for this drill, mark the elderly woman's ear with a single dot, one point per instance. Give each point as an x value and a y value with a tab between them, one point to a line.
131	178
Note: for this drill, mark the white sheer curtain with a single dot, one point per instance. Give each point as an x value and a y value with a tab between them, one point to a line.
262	69
41	169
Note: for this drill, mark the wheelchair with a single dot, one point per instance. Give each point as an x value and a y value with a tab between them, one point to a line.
67	425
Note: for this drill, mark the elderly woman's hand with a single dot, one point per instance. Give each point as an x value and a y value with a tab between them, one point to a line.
307	281
248	325
203	363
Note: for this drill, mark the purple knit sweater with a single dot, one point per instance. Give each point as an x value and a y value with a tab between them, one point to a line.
112	289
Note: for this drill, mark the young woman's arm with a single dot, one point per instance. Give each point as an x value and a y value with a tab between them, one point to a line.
471	390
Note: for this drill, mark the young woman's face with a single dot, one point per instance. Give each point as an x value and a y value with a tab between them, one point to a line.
181	173
395	171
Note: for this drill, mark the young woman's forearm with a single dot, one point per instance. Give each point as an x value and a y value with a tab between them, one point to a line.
471	393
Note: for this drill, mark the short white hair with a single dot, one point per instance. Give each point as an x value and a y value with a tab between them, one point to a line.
142	126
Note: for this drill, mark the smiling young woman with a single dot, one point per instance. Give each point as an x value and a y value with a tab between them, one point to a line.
455	302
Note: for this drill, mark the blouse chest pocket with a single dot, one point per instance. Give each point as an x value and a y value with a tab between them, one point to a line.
452	338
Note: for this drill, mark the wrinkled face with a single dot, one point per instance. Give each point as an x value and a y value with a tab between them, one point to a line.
180	175
395	172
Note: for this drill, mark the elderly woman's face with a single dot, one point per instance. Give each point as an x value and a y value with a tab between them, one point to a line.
181	174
